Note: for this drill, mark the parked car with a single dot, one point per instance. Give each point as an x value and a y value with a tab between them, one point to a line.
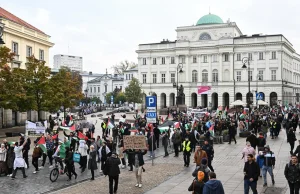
123	109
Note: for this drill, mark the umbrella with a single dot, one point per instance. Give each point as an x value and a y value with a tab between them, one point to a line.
237	103
261	102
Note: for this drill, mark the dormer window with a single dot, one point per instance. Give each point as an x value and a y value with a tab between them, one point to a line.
205	36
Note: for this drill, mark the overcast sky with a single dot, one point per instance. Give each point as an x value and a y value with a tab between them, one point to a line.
105	32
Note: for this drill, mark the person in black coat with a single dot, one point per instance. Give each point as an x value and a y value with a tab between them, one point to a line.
297	151
113	171
232	131
252	139
156	134
92	164
251	172
192	138
291	138
70	163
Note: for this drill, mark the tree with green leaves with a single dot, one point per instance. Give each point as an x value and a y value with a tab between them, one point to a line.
123	66
12	84
108	97
6	56
66	89
120	98
133	91
37	85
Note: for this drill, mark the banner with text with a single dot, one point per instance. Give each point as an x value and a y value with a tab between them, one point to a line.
134	142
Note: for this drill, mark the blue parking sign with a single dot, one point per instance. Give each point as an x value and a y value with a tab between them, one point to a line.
150	101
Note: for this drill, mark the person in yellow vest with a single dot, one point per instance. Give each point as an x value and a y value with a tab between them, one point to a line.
186	148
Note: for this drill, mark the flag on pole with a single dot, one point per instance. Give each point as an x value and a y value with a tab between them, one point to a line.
42	144
81	136
110	125
72	128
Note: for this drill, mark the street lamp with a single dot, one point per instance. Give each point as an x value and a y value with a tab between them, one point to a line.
179	70
245	61
1	33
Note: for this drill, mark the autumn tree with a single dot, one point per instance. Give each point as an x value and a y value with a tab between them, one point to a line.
66	89
6	56
37	84
120	98
133	91
123	66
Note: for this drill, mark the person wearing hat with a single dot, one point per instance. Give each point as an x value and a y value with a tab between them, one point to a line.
204	168
198	184
269	164
113	171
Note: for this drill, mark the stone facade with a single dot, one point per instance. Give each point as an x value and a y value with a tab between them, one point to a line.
213	55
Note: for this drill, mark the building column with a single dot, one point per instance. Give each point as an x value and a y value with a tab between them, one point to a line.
231	58
209	70
7	118
220	71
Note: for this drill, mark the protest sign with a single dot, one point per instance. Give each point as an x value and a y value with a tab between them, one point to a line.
34	129
134	142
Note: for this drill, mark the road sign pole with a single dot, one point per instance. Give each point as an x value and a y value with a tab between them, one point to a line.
151	116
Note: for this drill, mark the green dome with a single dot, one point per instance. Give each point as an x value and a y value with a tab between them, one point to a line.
210	19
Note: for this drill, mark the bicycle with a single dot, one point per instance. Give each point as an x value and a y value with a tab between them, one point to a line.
55	171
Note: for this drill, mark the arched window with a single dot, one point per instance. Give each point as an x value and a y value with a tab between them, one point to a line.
204	75
215	75
194	76
205	36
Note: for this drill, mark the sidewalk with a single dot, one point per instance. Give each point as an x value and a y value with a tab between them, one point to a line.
229	169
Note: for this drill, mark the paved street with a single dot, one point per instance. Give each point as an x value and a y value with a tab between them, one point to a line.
229	169
167	176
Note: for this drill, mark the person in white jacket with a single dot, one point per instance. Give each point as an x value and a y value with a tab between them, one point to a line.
104	153
83	154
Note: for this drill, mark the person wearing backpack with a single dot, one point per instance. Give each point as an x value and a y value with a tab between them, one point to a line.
204	168
197	184
269	164
292	174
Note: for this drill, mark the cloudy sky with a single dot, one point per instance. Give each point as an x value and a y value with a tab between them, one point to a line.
105	32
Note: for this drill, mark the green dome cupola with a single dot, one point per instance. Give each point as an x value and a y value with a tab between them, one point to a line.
209	19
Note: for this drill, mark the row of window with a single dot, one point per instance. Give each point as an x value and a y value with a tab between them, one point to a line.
29	51
128	76
260	76
205	57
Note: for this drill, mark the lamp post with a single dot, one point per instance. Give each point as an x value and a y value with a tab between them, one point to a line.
179	70
245	61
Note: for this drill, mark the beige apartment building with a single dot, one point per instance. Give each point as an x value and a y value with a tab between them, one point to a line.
24	40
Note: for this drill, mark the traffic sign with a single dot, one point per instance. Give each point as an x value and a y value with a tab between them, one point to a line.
150	101
259	96
151	114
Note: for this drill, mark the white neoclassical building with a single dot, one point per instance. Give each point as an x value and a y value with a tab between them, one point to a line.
211	54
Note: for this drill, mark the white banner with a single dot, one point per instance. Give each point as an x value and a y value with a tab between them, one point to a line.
35	129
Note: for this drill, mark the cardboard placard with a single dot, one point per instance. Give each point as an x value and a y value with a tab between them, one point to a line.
134	142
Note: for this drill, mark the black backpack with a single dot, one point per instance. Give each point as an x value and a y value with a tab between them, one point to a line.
105	167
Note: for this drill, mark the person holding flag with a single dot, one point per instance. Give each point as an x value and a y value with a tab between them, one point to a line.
19	162
36	154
